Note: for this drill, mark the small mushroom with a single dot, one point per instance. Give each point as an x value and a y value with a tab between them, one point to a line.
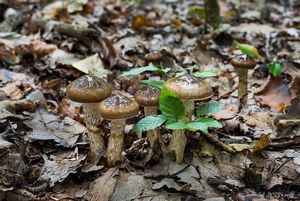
189	89
90	90
149	99
242	63
117	108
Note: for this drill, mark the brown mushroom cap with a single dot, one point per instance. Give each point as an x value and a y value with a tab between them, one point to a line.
118	106
88	89
243	61
147	97
189	87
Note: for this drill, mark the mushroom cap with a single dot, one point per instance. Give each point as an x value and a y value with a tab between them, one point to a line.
88	89
147	97
189	87
118	106
243	61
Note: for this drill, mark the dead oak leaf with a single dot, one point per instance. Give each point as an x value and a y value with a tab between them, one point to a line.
12	90
275	93
261	120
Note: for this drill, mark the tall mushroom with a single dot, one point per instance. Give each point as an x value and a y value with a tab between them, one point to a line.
189	89
242	63
149	99
90	90
117	108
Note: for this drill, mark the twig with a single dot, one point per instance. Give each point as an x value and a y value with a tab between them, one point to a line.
275	171
216	141
228	93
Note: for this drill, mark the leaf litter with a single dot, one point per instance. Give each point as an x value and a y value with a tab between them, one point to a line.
44	150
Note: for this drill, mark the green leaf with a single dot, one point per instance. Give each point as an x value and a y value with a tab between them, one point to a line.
180	73
275	69
170	104
153	83
194	126
177	125
149	123
164	70
209	108
247	49
140	70
210	122
199	12
205	74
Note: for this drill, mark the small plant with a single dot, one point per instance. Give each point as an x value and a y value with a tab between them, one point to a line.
152	68
176	118
275	69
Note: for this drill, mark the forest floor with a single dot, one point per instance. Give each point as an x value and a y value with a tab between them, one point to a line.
43	143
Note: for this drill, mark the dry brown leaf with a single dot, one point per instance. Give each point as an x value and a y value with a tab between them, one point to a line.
12	90
140	21
275	93
65	110
227	112
262	143
261	120
103	187
39	48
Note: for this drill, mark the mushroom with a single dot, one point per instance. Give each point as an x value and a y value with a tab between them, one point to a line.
242	63
117	108
189	89
149	99
90	90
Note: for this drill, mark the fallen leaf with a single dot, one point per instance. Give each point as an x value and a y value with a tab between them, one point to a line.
92	65
140	21
56	169
7	109
46	126
276	92
12	90
103	187
261	120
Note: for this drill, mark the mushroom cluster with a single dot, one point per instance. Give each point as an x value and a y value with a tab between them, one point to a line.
90	90
99	102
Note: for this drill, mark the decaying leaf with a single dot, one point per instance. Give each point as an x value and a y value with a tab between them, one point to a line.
276	92
103	187
57	168
46	126
92	65
140	21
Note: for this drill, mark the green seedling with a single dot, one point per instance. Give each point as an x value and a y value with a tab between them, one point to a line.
151	67
248	50
275	69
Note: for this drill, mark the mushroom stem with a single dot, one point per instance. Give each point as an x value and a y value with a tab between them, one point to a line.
189	106
179	139
92	120
242	88
115	142
150	110
177	144
154	135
